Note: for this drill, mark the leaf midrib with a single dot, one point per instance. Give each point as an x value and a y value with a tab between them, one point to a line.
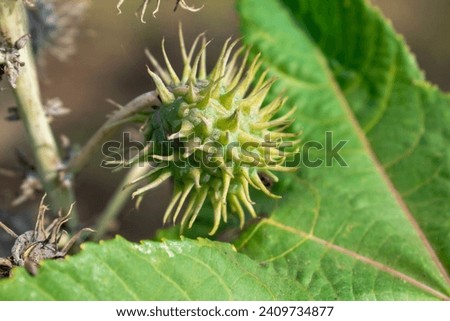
380	169
379	266
367	147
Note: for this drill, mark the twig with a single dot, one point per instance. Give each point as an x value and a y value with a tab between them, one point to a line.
13	25
118	200
138	104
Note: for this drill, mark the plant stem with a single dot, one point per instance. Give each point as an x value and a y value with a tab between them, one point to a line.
120	196
118	200
13	25
120	117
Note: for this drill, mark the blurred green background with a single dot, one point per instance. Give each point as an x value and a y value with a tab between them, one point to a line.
110	63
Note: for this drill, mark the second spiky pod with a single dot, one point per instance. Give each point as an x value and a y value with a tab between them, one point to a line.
213	134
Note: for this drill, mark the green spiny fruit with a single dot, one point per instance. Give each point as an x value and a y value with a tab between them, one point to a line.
213	135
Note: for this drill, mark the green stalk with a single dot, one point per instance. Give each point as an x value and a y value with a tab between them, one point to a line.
124	115
118	200
13	25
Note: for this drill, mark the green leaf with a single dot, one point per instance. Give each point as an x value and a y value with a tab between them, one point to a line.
378	228
171	270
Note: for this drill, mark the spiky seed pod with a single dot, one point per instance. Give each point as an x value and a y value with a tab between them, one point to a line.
213	135
39	244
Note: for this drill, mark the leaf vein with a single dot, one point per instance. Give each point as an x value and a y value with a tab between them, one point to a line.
364	259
